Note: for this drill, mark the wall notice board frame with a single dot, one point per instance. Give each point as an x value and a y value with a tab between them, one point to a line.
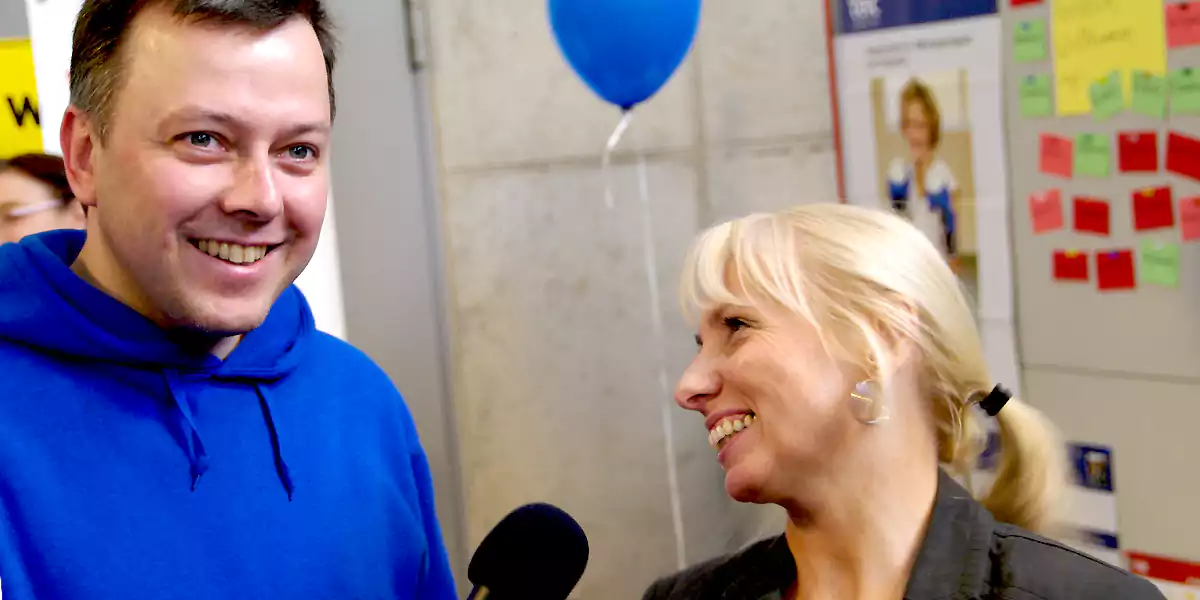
1098	220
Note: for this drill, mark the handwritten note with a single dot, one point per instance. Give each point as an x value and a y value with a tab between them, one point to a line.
1046	211
1185	91
1160	263
1107	97
1189	218
1093	154
1183	155
1070	265
1056	155
1138	151
1149	95
1114	270
1092	216
1037	96
1092	39
1153	209
1029	41
1183	24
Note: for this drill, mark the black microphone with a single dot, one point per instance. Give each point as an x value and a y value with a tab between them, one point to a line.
537	552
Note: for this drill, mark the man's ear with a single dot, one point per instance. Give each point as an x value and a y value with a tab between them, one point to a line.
78	138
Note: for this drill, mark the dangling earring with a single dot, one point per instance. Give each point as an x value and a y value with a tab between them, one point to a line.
870	410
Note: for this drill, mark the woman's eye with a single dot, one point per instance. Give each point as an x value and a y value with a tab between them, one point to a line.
734	323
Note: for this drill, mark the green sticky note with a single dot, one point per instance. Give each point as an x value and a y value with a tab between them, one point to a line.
1160	263
1029	41
1107	96
1184	86
1093	154
1037	96
1149	95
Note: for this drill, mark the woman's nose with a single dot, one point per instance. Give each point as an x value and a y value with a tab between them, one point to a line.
698	384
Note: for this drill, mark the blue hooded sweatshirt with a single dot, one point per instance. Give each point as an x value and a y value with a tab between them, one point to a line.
132	467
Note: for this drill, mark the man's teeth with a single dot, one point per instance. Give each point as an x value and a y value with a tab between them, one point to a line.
234	253
727	427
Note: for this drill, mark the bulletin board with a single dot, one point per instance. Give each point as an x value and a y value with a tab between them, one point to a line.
1103	130
1104	142
1099	164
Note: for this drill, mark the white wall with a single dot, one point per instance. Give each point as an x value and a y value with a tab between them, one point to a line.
555	364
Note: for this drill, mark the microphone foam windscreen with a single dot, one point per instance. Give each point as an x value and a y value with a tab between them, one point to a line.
537	552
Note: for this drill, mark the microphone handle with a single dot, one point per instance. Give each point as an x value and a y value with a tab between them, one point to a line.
478	593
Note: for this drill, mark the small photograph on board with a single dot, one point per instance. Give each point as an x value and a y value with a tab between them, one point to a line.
924	144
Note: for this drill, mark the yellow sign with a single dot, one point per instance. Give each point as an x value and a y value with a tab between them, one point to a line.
20	124
1093	38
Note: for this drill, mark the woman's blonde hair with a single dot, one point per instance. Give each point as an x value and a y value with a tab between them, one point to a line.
867	280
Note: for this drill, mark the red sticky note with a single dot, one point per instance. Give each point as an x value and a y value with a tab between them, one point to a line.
1114	269
1070	265
1138	151
1057	155
1153	209
1046	211
1091	215
1183	155
1025	2
1189	218
1183	24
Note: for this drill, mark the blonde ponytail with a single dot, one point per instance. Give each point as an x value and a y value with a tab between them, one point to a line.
1032	472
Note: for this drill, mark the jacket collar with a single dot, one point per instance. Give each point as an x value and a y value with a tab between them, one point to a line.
954	561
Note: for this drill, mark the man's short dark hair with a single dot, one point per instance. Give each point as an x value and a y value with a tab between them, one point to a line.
102	26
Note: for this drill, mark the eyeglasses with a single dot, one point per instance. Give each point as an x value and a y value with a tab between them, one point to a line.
13	211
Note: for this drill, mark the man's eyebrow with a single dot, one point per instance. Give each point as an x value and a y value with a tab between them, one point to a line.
202	114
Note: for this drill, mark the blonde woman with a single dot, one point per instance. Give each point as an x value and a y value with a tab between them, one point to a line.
922	187
841	377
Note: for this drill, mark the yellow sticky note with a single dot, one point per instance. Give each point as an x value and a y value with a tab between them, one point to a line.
20	131
1092	39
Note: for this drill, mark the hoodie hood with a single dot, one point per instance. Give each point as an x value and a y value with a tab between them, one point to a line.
45	306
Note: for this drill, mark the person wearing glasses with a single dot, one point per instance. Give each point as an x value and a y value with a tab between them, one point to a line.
35	197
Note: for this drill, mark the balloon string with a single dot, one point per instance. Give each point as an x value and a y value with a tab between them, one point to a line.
609	149
651	262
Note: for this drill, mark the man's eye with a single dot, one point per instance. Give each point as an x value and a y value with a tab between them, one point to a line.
200	139
301	152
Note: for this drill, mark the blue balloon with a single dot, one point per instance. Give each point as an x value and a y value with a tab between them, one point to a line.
625	50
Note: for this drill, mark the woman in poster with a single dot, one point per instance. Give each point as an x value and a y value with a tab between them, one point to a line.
923	188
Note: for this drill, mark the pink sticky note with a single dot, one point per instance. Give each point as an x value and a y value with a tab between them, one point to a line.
1057	155
1183	24
1189	218
1046	211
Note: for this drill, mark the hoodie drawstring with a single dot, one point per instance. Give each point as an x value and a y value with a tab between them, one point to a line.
197	455
285	475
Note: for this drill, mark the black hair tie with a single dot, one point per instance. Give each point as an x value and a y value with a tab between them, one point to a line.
995	400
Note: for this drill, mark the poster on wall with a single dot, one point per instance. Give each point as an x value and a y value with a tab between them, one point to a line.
20	123
920	109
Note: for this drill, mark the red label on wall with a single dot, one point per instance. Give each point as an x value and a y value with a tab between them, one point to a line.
1164	569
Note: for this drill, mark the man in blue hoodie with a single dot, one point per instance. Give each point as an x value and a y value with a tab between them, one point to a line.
171	423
